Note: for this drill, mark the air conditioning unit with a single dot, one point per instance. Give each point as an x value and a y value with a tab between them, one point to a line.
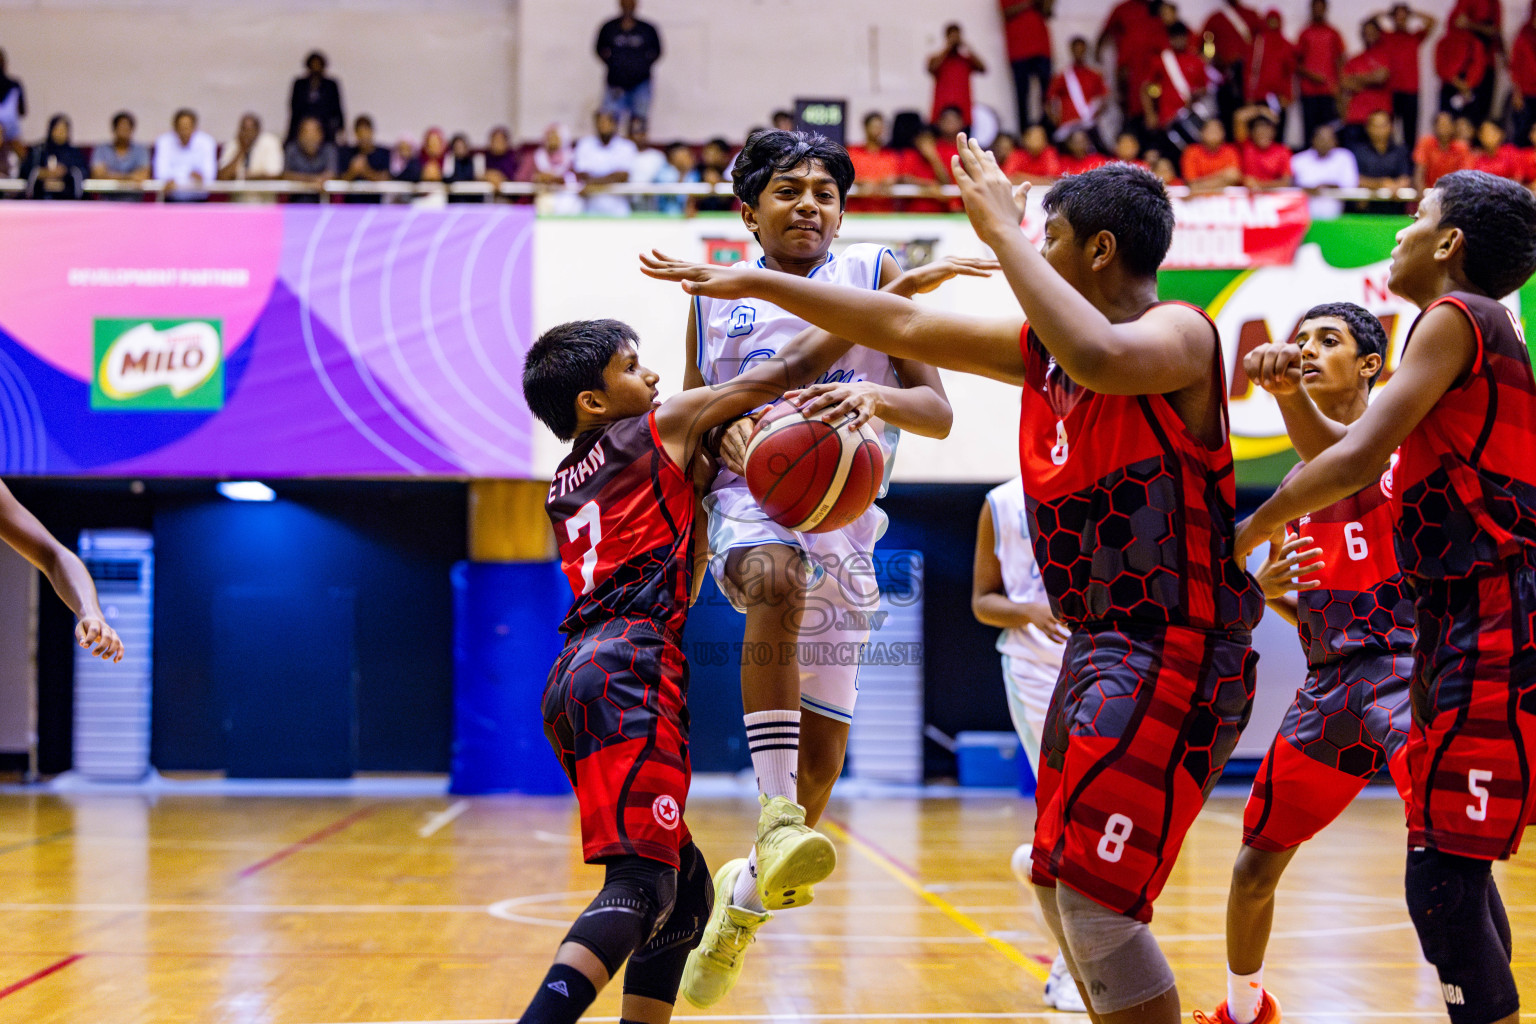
112	698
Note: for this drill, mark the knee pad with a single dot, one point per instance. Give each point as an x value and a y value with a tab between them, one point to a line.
1119	961
656	969
1455	910
638	895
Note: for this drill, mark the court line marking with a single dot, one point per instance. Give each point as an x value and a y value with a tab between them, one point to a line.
17	986
35	841
441	818
1056	1015
317	836
248	908
908	880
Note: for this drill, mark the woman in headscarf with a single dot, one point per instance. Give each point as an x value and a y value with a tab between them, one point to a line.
55	168
552	165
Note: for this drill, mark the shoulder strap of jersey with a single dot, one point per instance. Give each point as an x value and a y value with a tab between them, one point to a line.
1477	328
1218	365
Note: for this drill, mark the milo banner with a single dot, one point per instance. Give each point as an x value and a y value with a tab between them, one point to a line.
222	340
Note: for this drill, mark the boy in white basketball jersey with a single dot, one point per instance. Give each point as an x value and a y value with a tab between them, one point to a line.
1007	592
794	588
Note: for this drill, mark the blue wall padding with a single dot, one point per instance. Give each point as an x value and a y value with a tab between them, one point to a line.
505	638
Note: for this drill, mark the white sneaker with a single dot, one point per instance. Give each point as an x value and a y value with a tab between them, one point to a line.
1021	863
1061	991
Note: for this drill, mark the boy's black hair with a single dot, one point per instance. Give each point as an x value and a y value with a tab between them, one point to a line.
771	152
566	361
1364	327
1178	28
123	115
1497	218
1129	202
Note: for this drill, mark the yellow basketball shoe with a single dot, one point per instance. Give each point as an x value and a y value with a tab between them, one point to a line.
790	856
714	966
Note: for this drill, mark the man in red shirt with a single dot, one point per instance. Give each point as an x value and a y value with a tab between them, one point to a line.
1439	153
1364	81
1029	52
1496	156
1138	35
1400	48
1522	76
1076	96
1319	58
1461	62
1035	162
951	69
1271	71
1266	163
875	166
1484	19
1173	79
1213	164
1228	37
1078	156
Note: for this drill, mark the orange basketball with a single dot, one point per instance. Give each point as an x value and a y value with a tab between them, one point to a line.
810	476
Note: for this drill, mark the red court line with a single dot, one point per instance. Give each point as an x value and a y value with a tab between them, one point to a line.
309	840
40	975
840	823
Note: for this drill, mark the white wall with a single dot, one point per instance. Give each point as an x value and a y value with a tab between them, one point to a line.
471	64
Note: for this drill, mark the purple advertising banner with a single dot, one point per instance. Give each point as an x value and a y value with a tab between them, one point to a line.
264	341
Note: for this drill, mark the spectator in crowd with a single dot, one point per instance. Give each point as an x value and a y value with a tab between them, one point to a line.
1035	162
427	163
1128	150
498	164
952	68
1229	36
552	167
715	162
629	48
1325	165
1522	76
1076	95
875	167
1028	39
648	165
1078	155
1137	34
401	157
1271	71
1266	163
1319	65
1175	80
1364	82
309	158
1495	155
253	155
315	95
9	165
1003	147
364	160
1400	45
55	168
459	164
1461	62
604	158
1214	163
122	159
1466	131
1439	153
185	158
782	121
1528	173
13	105
1381	161
1483	19
1164	168
682	168
923	166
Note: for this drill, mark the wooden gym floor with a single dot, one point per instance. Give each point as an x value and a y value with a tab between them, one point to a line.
118	908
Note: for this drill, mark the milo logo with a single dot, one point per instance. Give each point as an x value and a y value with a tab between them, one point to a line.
158	365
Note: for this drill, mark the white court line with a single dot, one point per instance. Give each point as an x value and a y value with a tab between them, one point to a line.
243	908
442	818
1052	1015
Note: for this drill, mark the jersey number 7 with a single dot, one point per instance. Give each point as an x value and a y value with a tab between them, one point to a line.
590	518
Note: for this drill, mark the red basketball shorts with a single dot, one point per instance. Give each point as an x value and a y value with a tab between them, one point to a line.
1139	728
615	712
1474	714
1349	720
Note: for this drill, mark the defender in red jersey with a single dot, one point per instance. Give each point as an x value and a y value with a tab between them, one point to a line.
615	706
1461	410
1128	470
1355	616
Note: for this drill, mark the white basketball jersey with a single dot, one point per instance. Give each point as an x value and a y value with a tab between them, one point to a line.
1021	574
735	334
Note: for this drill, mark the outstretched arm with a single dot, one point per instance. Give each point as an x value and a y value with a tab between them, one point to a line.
1276	367
21	530
1427	372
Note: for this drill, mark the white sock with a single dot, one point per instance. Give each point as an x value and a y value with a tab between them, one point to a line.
773	737
1245	993
746	894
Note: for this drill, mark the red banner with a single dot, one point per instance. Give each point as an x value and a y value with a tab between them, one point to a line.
1236	231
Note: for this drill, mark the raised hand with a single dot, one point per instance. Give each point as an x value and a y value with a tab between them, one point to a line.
696	278
993	203
926	278
93	633
1275	367
1282	571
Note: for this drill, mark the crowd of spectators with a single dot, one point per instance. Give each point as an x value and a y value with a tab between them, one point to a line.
1206	110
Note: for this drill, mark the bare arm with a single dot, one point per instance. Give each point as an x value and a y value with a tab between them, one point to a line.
1428	371
989	596
1276	367
65	572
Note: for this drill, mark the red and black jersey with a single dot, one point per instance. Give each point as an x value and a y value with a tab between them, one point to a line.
623	517
1466	479
1132	515
1364	603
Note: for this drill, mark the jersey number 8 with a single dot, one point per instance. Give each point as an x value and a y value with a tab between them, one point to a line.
1117	829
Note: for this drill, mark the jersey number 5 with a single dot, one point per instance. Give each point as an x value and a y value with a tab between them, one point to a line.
590	518
1480	811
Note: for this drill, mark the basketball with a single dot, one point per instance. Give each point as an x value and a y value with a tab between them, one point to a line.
811	476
